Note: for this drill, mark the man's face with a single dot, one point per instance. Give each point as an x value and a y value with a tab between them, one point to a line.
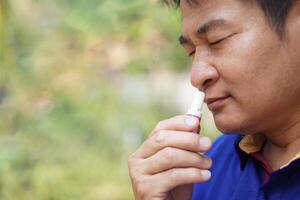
250	76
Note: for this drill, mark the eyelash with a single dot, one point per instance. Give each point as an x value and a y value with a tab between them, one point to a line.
192	53
211	44
217	42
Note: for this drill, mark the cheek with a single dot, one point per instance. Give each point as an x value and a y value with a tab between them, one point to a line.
253	75
253	66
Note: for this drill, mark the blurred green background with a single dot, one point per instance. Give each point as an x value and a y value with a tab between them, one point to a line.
82	83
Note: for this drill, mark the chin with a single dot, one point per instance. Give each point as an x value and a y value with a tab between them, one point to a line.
231	124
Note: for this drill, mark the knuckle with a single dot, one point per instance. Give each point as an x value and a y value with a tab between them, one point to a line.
197	159
173	174
138	168
133	176
139	187
192	141
134	166
131	172
168	153
142	188
160	137
131	159
162	162
195	172
137	179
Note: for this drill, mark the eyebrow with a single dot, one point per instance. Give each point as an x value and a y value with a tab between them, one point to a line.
192	2
203	29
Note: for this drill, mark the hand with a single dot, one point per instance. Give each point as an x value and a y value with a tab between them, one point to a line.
168	163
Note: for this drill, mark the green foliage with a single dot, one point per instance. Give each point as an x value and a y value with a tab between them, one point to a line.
67	121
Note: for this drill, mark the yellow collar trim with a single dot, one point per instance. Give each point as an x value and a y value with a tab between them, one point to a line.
254	143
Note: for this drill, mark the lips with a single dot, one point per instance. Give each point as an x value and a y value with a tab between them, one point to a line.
215	102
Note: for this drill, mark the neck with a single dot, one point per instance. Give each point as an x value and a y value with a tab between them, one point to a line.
282	145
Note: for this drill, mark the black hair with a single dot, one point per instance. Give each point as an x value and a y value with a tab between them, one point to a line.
276	11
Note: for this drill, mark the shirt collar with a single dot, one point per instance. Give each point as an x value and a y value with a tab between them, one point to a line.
247	144
252	143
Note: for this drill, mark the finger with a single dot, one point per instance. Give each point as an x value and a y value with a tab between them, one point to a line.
177	139
175	158
181	176
178	123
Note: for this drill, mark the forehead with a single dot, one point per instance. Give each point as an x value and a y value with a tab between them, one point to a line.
197	3
200	11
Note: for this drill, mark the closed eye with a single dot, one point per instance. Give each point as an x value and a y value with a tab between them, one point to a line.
217	42
220	40
213	43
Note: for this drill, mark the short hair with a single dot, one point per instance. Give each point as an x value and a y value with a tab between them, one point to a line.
276	11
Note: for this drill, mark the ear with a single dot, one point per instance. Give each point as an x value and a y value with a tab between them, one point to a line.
295	10
292	24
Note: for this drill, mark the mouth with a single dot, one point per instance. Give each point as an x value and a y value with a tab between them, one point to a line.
215	103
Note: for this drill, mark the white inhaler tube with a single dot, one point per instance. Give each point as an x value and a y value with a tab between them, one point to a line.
196	107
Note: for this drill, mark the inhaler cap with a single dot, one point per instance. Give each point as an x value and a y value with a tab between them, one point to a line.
196	107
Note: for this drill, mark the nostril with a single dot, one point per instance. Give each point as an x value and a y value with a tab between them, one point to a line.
206	83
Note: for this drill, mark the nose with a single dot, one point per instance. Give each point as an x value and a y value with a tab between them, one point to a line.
203	72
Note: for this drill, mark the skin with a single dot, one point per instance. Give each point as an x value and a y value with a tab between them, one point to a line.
240	57
168	162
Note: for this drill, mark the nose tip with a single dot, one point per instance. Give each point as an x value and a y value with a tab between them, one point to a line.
203	74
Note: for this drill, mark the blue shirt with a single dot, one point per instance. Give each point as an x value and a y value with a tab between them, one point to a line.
238	176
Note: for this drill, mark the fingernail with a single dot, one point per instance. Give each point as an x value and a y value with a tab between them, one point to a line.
191	121
207	162
205	142
206	174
